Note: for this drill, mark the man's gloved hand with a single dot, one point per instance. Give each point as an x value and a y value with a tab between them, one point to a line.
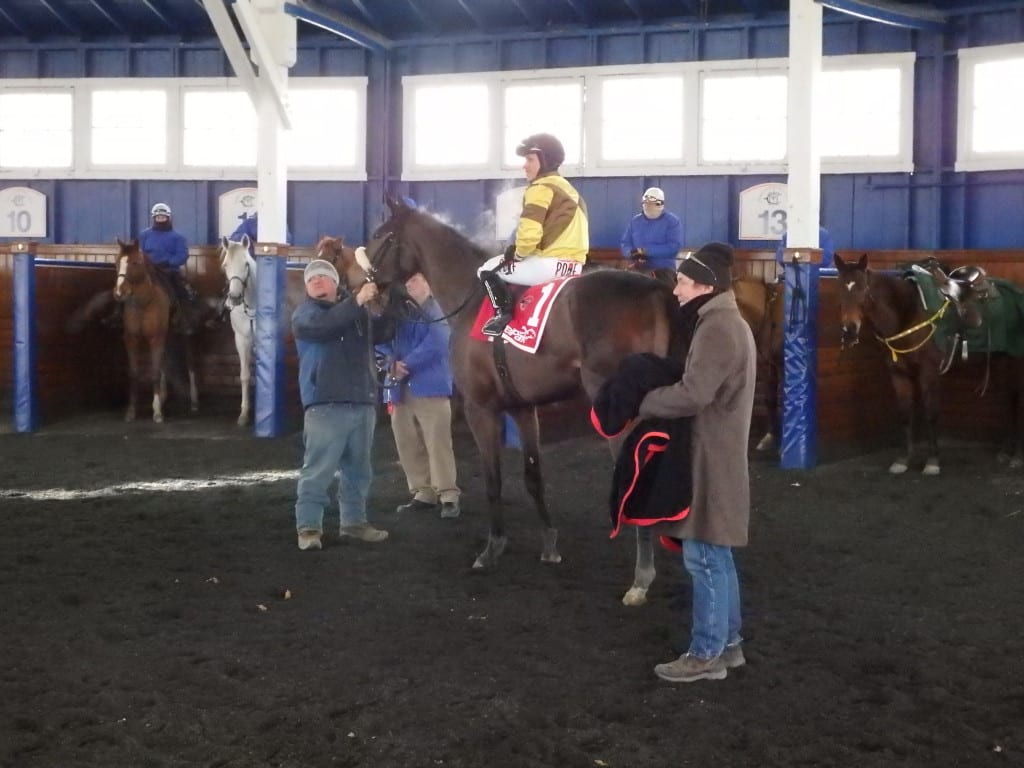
639	257
510	256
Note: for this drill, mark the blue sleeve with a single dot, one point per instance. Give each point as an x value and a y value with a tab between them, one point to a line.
431	343
180	255
673	239
781	247
627	240
312	323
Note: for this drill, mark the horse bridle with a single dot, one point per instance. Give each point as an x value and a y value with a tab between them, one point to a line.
390	241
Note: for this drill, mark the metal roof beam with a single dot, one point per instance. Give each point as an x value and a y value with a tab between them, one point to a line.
896	14
634	8
110	16
477	19
530	18
156	11
58	10
10	20
580	11
367	14
339	24
424	20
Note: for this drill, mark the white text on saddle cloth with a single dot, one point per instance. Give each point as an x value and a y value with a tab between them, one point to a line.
526	328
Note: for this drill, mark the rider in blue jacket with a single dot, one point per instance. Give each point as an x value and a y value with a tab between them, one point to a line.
655	236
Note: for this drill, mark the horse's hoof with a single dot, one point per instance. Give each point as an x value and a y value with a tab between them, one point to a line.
636	596
931	469
767	443
549	557
194	410
158	418
1016	462
479	564
897	468
242	421
130	416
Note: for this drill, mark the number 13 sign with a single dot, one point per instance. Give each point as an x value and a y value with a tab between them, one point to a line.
22	212
763	212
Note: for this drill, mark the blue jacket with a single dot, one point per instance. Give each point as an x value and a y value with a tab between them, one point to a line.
423	346
661	239
335	355
250	226
164	247
828	250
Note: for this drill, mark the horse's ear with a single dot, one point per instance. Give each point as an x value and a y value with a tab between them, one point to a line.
247	242
862	262
224	242
839	261
121	242
394	203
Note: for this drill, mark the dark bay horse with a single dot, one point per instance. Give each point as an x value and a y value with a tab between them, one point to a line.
147	314
899	321
596	321
760	305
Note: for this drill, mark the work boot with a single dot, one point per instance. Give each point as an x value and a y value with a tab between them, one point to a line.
688	669
501	300
363	532
733	656
450	510
416	505
309	540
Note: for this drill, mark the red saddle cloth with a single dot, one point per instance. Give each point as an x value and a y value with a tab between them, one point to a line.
529	315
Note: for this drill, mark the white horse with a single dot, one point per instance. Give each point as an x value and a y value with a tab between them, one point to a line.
240	269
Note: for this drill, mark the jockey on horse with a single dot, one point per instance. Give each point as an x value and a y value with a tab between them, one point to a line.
553	236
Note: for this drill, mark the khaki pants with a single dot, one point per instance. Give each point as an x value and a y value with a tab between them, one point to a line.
423	436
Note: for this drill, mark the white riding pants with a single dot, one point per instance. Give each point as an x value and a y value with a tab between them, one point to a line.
532	270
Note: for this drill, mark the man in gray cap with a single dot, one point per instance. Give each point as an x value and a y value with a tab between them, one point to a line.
717	390
339	395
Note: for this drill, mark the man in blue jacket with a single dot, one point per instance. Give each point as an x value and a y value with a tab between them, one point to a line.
654	236
338	385
168	251
421	417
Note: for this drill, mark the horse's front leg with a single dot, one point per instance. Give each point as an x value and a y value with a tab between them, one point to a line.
644	572
529	434
156	376
131	346
904	388
928	393
486	428
243	344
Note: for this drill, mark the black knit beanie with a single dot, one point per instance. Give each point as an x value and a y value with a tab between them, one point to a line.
711	265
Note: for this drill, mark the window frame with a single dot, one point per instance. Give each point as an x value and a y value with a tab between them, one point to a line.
174	168
967	158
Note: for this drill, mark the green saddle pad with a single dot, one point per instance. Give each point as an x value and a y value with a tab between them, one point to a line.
1002	327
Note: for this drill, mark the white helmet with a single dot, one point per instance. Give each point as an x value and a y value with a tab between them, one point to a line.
161	209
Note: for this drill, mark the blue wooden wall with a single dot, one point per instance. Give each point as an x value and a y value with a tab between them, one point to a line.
932	208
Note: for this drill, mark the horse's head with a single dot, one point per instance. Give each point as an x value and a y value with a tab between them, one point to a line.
131	267
853	295
237	266
393	254
351	263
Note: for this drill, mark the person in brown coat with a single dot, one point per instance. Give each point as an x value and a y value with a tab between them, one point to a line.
717	390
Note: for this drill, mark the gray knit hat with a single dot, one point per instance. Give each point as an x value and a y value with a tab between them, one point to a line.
320	267
711	265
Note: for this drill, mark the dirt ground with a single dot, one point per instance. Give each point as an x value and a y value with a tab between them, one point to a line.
149	626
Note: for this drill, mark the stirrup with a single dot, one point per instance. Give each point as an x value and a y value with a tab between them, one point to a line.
496	325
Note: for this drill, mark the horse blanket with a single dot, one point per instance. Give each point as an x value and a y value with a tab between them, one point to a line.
1002	313
529	318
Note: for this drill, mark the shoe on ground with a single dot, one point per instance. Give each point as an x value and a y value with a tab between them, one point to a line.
733	656
416	506
363	532
689	669
310	540
450	510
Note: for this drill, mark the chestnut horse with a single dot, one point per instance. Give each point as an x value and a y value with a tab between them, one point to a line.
760	305
596	320
147	314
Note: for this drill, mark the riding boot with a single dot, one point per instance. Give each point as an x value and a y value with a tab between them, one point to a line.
501	300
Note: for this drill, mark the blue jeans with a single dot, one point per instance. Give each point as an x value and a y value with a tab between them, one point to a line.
338	437
716	598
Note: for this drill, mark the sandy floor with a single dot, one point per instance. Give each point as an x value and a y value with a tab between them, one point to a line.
176	624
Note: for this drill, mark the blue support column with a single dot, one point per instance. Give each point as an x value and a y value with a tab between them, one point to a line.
26	390
269	340
800	359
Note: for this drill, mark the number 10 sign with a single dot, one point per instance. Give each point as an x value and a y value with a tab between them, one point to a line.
22	212
763	212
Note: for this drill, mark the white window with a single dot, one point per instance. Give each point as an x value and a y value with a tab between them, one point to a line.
865	117
129	127
36	128
991	108
642	119
743	118
450	125
219	128
328	127
543	107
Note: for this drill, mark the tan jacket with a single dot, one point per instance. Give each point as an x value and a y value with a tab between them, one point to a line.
717	389
554	220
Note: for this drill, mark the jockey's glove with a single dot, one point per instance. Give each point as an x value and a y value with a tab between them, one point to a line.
639	255
510	255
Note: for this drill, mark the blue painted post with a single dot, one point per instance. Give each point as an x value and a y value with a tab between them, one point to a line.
26	390
800	359
269	339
